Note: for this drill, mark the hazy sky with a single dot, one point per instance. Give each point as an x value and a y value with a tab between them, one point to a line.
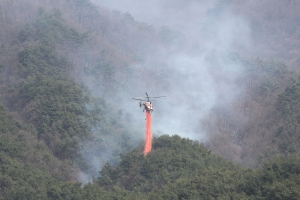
159	13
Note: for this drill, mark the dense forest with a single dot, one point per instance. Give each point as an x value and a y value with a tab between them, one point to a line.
228	129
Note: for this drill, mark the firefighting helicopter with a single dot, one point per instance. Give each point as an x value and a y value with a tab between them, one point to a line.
147	103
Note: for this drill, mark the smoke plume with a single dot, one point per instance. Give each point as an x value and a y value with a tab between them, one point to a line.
195	71
193	66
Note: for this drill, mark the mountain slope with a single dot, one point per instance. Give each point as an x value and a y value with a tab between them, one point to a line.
68	70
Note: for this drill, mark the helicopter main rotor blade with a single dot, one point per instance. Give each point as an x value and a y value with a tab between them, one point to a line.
158	97
139	99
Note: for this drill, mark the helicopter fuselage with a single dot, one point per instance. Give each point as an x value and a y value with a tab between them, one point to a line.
147	106
145	101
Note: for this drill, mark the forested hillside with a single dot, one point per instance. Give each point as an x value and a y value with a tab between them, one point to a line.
228	129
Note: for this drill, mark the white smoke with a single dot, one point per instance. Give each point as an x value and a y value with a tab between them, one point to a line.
198	71
195	71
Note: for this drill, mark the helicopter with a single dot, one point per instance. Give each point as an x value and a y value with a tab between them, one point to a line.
147	103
